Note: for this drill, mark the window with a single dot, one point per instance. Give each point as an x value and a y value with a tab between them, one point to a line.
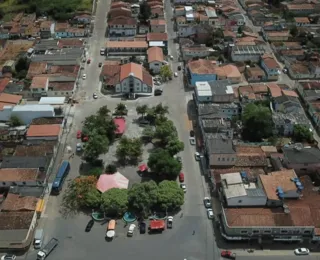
228	159
218	159
232	159
306	232
223	159
296	231
256	231
267	232
239	201
243	232
284	231
56	93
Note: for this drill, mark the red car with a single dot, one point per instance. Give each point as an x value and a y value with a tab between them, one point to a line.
85	138
88	61
228	254
181	177
79	134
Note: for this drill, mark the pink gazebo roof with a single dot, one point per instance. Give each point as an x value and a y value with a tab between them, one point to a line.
109	181
120	122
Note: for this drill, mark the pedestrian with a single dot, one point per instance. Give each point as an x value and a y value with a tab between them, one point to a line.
193	232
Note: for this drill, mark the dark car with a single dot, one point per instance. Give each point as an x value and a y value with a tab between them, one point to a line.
142	227
191	133
179	67
158	92
144	122
100	64
89	225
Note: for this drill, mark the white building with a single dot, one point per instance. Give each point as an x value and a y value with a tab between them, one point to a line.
239	191
122	26
26	113
155	59
203	92
52	101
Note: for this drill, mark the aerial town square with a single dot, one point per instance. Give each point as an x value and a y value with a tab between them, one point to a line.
156	129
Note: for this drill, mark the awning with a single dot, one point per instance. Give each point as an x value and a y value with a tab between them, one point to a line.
143	167
111	233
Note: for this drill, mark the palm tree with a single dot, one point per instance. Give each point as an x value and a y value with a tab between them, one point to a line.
121	110
142	110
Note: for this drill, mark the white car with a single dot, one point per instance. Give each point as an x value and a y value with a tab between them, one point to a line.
176	74
8	257
183	187
210	213
207	202
171	57
79	147
302	251
192	140
197	156
84	76
95	96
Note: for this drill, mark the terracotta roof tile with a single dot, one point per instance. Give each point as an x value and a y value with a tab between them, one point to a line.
111	74
39	82
127	44
122	20
290	93
157	37
36	68
14	174
301	19
201	66
15	202
157	22
270	62
15	220
275	90
3	83
155	54
9	98
137	71
43	130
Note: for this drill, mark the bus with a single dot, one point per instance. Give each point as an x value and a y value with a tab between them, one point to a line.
60	177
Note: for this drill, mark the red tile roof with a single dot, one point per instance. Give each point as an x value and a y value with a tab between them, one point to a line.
111	74
3	83
9	98
43	130
157	37
15	202
39	82
201	66
157	22
122	20
275	90
155	54
15	174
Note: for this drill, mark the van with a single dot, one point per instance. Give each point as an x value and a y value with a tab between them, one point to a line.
38	237
111	224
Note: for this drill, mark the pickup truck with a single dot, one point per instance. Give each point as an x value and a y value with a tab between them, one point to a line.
44	252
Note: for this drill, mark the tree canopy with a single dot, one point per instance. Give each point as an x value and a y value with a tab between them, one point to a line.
170	195
145	11
15	121
302	133
115	202
142	110
121	110
129	149
96	145
165	72
257	123
163	164
142	197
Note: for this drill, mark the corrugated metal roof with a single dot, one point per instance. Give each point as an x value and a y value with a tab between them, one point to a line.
52	100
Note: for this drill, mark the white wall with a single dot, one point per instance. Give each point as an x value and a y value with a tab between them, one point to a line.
28	116
138	85
5	113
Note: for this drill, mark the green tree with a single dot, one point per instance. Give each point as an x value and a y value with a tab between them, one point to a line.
96	171
92	198
174	146
121	110
76	195
294	31
145	11
22	64
165	72
148	133
161	110
97	144
15	121
142	197
257	123
162	163
302	133
115	202
129	149
104	111
21	74
240	30
111	168
165	131
142	110
170	195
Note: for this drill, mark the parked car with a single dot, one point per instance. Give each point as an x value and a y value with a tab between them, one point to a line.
197	156
95	96
302	251
79	147
88	61
176	74
181	177
142	227
100	64
84	76
192	140
171	57
144	122
79	134
169	222
207	202
178	158
228	254
89	225
179	67
191	133
158	92
210	213
183	187
8	257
